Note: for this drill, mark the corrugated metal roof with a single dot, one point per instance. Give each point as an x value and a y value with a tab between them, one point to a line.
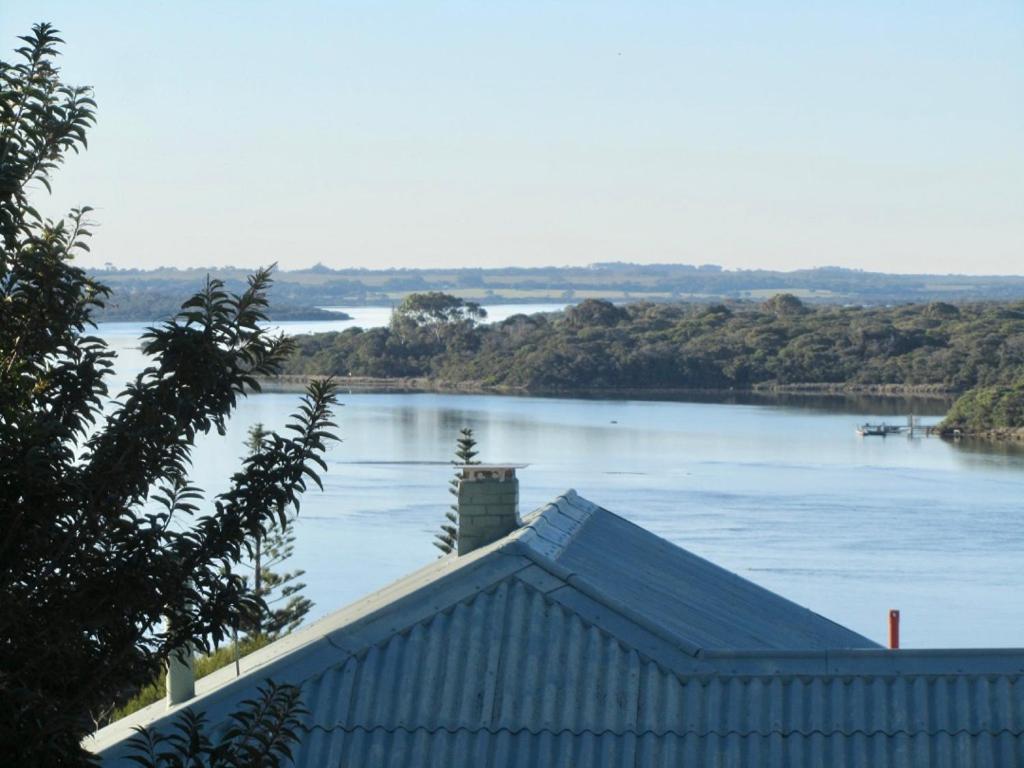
511	677
693	599
483	749
510	657
419	749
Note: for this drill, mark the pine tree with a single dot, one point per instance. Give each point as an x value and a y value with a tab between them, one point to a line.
465	453
286	608
269	550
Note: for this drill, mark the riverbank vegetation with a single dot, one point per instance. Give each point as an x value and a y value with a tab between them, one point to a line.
996	412
781	343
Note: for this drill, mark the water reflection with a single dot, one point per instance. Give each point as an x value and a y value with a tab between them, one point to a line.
917	405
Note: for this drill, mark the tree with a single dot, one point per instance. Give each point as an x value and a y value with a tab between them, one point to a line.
101	534
436	311
594	312
283	607
268	585
785	305
465	453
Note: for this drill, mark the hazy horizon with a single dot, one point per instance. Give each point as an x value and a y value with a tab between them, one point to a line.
766	135
499	267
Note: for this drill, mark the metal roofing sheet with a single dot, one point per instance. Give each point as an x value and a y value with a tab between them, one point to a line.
690	597
508	658
482	749
791	704
500	659
511	677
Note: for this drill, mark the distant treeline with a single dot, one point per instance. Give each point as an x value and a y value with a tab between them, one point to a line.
598	345
150	304
322	286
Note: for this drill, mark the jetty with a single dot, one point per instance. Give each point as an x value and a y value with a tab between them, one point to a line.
913	428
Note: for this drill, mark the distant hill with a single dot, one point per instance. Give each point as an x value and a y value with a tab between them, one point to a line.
618	282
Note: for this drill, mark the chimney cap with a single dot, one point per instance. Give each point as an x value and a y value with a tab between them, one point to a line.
476	472
492	466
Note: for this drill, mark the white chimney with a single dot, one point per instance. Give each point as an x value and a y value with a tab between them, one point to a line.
181	677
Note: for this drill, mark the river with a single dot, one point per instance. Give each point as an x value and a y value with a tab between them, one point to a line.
780	491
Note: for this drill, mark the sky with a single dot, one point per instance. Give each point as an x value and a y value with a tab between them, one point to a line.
774	134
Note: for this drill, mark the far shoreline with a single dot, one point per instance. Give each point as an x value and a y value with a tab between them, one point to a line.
286	383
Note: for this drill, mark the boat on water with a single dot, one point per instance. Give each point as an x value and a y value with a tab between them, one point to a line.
878	430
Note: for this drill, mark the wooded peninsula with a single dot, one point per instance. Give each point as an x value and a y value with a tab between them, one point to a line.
782	344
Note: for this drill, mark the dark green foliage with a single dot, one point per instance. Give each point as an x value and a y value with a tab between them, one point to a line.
279	591
465	453
988	408
785	305
259	735
594	313
465	447
101	536
678	346
41	119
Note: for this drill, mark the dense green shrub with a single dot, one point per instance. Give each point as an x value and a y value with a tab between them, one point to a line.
988	408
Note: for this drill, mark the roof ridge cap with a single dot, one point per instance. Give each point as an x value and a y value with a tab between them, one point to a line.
541	533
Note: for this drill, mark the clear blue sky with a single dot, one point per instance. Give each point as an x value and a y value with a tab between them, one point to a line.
878	134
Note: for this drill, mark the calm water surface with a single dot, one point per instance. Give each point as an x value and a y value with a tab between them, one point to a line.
784	494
